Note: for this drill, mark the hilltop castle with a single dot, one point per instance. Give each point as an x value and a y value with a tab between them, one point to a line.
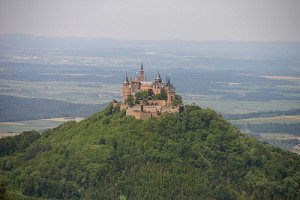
143	99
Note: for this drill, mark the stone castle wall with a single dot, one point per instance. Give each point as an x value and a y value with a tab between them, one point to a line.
150	108
148	111
157	102
139	114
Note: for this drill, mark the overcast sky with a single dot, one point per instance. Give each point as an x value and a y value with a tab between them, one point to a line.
267	20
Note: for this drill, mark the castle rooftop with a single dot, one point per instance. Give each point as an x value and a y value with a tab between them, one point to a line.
143	99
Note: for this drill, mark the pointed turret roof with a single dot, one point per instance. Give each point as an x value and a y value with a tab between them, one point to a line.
126	80
168	81
142	66
158	77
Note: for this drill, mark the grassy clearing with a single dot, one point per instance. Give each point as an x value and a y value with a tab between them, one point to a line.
7	134
28	125
64	119
243	107
73	92
279	136
283	140
277	119
14	128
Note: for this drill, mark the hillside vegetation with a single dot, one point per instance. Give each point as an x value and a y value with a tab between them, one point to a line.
192	155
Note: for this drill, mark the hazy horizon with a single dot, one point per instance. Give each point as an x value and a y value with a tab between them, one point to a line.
137	39
192	20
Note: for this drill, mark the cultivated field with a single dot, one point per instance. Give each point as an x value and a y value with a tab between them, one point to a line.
277	119
41	124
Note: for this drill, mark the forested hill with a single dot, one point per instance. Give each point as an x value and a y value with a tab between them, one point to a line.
192	155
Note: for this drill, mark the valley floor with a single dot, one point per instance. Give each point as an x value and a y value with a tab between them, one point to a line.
16	127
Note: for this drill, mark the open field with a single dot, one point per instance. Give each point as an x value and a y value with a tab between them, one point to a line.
73	92
288	78
64	119
277	119
279	136
8	134
283	140
242	107
41	124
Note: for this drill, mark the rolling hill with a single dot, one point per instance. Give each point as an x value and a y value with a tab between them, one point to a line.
196	154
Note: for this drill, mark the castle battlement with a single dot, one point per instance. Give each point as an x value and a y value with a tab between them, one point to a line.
143	99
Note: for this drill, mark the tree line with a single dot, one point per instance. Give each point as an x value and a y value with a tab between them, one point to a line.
195	154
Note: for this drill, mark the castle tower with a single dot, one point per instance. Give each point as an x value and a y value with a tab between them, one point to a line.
142	73
158	77
170	91
168	81
170	96
126	88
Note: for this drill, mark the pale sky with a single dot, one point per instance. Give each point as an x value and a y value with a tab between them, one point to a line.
234	20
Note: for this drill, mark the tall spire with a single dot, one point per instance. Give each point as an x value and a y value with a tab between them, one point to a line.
168	80
158	77
126	80
142	73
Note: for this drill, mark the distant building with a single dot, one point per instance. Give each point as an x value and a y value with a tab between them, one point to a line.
143	99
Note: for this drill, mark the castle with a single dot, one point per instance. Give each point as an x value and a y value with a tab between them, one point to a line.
143	99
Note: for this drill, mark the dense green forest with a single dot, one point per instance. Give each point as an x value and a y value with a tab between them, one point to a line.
195	154
18	143
20	109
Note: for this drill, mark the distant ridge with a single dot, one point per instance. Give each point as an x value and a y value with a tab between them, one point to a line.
19	40
18	109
